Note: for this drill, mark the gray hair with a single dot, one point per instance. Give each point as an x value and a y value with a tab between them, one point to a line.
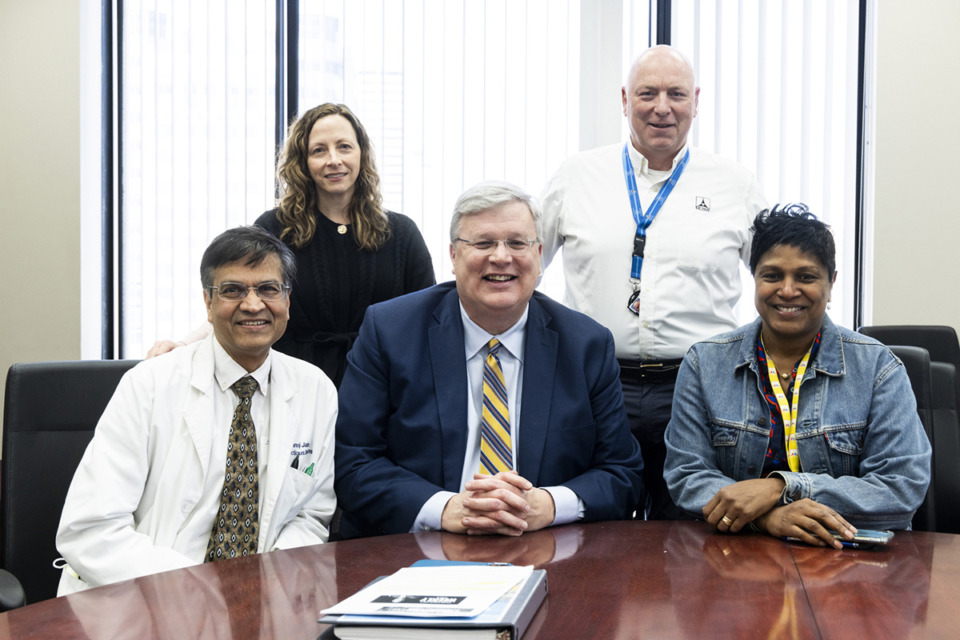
251	245
488	195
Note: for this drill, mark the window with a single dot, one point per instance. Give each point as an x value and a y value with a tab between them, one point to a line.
454	92
464	91
778	93
197	148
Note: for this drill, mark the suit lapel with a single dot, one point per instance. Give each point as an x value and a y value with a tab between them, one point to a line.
539	366
445	340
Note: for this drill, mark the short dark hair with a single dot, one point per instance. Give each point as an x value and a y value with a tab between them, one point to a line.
795	226
250	244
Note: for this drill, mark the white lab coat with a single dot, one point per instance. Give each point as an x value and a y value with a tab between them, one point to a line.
143	473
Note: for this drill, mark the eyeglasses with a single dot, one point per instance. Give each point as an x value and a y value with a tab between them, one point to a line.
514	245
234	291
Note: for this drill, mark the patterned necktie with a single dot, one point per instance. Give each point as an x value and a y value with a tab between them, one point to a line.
496	452
238	520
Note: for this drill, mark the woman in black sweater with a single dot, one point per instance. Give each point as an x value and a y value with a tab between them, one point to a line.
350	251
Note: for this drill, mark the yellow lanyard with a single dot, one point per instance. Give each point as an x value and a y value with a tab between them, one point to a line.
789	413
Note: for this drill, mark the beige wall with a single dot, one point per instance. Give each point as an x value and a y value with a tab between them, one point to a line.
917	195
39	181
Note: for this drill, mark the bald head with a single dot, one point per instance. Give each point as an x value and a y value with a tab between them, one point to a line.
658	56
660	101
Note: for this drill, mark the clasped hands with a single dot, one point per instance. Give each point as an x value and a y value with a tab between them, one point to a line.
506	504
738	504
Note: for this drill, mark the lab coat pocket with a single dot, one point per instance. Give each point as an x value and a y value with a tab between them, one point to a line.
296	489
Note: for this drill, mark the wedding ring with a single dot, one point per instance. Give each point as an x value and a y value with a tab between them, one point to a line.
726	520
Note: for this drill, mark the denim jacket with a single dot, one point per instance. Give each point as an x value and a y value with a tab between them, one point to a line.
863	450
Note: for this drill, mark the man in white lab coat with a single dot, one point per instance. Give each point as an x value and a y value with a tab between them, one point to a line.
153	491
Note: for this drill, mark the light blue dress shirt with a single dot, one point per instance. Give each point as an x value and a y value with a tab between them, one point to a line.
568	507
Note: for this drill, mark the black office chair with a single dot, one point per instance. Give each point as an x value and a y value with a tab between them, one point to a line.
940	341
946	455
944	347
50	412
11	592
917	363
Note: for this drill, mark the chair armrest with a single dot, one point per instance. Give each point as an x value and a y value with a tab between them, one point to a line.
11	591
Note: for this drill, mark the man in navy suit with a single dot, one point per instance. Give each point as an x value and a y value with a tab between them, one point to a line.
482	406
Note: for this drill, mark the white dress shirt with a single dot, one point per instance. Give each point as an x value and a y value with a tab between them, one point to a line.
198	526
690	280
568	507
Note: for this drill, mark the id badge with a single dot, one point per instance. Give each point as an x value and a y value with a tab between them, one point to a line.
634	302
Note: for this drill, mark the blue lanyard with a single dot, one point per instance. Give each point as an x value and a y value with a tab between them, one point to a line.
641	217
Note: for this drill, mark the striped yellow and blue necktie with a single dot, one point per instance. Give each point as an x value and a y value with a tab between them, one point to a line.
496	452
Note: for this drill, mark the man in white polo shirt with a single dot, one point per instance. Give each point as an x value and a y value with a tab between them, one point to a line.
659	268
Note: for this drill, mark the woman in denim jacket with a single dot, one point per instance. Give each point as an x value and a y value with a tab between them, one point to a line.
854	455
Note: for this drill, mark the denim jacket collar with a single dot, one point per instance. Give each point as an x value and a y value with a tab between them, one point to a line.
828	361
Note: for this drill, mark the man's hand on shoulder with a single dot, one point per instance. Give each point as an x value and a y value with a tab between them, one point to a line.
505	504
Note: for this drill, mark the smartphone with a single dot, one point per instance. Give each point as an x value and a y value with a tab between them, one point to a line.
865	538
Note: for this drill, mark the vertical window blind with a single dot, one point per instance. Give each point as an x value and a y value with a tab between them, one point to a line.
452	93
778	93
197	151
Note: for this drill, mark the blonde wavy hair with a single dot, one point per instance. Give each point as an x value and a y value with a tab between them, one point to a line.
297	206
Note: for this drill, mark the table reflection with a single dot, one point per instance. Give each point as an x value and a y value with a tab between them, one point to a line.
614	580
879	593
255	597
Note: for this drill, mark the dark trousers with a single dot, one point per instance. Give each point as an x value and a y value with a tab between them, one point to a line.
648	398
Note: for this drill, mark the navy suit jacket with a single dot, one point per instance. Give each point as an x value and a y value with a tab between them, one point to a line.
402	428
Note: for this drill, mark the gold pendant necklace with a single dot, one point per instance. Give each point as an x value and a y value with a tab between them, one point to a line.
342	229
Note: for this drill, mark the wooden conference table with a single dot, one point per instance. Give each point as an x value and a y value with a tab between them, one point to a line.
606	580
